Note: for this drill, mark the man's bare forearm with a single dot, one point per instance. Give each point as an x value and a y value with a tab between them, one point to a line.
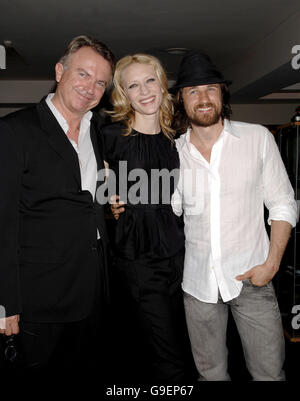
280	234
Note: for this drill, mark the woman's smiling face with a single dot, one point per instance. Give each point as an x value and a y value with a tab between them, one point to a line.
142	88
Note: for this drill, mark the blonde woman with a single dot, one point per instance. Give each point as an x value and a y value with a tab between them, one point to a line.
149	239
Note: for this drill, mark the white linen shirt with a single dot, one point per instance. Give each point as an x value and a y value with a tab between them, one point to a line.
84	148
223	205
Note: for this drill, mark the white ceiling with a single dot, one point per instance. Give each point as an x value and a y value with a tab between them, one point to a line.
250	41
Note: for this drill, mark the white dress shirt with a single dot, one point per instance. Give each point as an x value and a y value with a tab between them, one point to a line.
223	205
84	148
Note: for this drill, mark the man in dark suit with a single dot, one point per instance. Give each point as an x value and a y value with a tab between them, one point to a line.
52	236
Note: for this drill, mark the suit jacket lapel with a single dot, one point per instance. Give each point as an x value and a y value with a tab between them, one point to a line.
58	139
94	132
95	138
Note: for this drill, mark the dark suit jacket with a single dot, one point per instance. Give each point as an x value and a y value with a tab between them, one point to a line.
48	243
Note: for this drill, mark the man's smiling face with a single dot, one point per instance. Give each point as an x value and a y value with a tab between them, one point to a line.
203	104
82	81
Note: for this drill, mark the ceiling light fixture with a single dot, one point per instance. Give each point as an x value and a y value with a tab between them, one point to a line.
177	50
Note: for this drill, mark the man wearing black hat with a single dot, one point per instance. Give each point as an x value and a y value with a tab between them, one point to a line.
229	170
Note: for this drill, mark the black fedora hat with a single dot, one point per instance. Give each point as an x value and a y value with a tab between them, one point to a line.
197	69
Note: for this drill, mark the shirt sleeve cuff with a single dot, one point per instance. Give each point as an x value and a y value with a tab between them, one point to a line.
289	214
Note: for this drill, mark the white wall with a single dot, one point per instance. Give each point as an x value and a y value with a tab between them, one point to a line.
276	114
15	92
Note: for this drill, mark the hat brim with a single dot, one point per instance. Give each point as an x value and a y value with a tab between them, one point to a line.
198	82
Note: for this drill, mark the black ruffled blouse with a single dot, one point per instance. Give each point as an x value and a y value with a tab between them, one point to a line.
148	228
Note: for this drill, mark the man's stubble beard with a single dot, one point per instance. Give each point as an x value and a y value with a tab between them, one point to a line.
207	119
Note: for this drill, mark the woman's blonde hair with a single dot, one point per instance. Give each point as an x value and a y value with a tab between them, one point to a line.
122	108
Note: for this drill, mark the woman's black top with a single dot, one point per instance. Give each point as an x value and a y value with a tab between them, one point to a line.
142	164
